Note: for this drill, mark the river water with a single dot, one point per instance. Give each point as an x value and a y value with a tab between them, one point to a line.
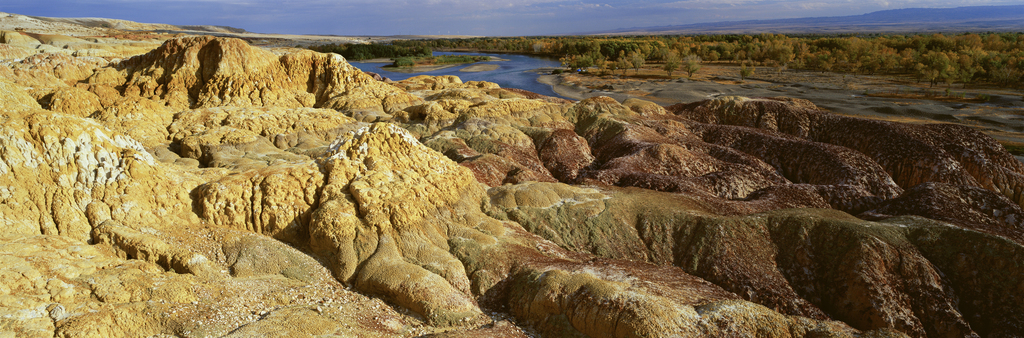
518	72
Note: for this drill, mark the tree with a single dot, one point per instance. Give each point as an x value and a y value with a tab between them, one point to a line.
622	62
825	62
746	71
577	61
602	63
692	64
936	66
404	62
968	67
566	61
713	56
1004	74
672	62
636	59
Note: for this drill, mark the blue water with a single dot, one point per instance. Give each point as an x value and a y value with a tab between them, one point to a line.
516	73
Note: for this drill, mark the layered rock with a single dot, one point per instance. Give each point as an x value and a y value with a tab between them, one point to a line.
16	38
910	154
809	263
303	128
210	188
16	97
497	153
360	217
391	207
970	207
51	71
54	285
9	52
61	175
198	72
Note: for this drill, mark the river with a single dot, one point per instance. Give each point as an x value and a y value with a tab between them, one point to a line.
518	72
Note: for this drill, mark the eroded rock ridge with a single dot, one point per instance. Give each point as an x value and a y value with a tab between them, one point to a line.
212	188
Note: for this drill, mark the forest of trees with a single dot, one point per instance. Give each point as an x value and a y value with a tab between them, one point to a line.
358	52
965	59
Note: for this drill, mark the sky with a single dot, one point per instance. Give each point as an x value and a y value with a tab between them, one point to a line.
458	17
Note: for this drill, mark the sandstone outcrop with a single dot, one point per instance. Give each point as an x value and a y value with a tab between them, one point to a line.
303	128
47	70
15	97
74	101
11	52
54	285
513	150
200	72
969	207
910	154
361	218
16	38
140	118
212	188
797	262
62	175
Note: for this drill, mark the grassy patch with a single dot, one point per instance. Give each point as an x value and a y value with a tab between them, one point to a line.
1017	149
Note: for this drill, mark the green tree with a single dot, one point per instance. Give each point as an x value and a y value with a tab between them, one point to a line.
577	61
602	63
672	62
713	56
622	62
636	59
968	66
404	62
566	61
692	64
746	71
936	66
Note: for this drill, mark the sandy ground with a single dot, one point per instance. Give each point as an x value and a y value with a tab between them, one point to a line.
480	68
420	69
1001	117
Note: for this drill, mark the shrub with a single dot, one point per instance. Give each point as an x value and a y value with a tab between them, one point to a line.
745	71
1015	149
404	62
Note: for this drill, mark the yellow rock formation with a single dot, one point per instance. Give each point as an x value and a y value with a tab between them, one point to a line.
62	175
213	188
198	72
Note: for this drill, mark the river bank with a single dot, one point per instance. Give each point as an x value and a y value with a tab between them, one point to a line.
477	66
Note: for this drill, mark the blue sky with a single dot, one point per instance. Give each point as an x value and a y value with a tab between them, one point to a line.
466	17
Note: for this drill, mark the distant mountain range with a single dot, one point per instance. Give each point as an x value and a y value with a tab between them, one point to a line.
910	20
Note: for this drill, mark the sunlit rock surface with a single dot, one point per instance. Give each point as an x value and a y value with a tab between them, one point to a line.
211	188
